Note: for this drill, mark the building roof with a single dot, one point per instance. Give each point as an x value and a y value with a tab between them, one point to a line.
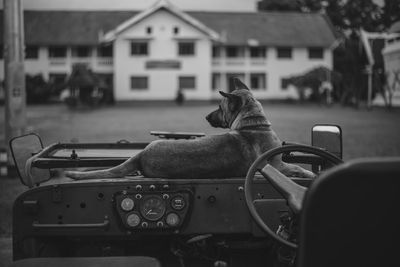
161	5
271	28
266	28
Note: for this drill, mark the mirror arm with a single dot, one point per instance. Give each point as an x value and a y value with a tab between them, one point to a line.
28	167
30	161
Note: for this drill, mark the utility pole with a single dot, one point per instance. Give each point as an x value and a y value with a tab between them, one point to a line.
15	95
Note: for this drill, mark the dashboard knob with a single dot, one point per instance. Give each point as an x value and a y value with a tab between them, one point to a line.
165	187
152	187
138	196
165	196
139	187
145	224
160	224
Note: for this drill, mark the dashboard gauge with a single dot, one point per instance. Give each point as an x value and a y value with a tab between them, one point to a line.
152	208
172	219
127	204
133	220
178	203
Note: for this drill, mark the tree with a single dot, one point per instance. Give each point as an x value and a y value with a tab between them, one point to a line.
350	14
362	14
314	79
37	89
84	81
348	17
391	12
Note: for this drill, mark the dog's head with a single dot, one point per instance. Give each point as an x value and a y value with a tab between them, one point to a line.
237	109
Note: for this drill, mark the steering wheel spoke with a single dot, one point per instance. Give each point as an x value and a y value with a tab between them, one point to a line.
290	190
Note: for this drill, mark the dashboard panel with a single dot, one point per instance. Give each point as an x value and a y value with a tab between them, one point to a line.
152	210
133	208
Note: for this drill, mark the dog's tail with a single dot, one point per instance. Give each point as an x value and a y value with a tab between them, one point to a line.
127	167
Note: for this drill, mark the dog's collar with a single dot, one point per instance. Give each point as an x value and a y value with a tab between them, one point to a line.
255	128
251	123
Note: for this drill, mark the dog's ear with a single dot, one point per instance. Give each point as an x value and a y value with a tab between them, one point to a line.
239	85
234	101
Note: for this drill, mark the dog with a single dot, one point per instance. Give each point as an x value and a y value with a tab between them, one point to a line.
215	156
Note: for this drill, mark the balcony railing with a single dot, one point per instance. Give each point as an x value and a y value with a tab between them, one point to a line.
57	61
235	61
77	60
105	61
239	61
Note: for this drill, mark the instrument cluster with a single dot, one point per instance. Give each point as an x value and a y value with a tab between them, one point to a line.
151	209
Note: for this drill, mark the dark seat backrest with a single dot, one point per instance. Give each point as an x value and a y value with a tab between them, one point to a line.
351	216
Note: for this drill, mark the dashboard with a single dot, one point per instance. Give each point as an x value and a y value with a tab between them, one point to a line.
134	208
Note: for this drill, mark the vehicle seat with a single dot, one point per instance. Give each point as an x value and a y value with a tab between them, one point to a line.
134	261
350	216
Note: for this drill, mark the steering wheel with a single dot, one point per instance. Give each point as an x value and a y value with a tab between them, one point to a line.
291	191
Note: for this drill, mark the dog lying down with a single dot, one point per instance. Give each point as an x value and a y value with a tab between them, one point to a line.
216	156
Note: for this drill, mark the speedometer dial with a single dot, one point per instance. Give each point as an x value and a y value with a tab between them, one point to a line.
152	208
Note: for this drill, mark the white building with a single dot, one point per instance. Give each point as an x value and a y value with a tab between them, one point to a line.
149	55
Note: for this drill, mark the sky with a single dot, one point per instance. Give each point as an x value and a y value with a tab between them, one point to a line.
208	5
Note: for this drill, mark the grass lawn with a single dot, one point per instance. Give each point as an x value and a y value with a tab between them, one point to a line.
365	133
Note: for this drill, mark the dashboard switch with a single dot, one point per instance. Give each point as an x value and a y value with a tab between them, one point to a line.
145	224
139	187
152	187
138	196
160	224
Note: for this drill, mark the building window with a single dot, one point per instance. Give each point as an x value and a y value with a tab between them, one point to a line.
234	51
105	51
57	51
148	30
186	48
139	83
31	52
284	83
284	52
258	81
187	82
215	81
81	51
257	52
315	53
176	30
216	51
139	48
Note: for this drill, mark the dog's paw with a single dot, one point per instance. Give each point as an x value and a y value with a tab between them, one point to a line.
73	175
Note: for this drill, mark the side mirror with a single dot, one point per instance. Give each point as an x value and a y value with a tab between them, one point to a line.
328	137
23	149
